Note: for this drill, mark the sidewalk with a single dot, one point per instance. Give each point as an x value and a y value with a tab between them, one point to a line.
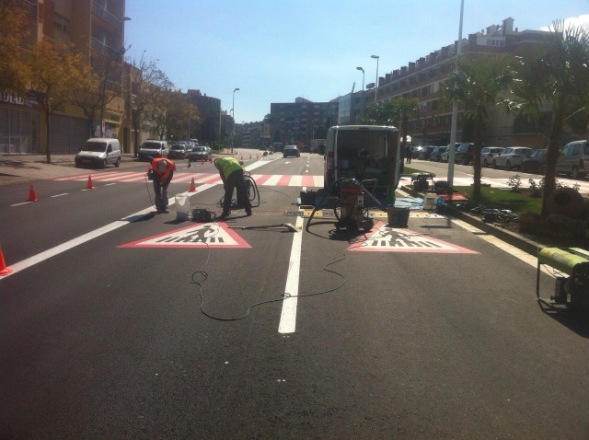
22	168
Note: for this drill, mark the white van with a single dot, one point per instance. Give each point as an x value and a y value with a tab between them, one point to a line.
574	159
153	148
369	153
99	152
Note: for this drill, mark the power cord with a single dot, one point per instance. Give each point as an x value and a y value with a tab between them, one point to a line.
198	278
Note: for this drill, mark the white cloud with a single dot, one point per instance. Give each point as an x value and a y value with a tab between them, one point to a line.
578	21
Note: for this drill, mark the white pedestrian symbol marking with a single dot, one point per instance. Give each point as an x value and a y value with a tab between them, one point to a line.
204	235
387	239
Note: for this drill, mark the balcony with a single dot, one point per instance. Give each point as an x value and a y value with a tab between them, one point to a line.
108	17
102	48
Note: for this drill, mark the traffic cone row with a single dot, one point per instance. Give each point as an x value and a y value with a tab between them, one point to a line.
33	195
4	270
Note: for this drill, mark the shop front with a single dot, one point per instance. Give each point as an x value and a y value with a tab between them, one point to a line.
19	124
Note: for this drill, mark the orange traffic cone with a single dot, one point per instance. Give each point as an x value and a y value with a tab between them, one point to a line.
32	194
3	269
89	185
192	186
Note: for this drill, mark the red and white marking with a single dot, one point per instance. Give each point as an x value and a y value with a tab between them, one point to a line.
198	235
387	239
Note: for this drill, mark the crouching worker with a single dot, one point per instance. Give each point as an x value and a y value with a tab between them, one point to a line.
231	173
161	172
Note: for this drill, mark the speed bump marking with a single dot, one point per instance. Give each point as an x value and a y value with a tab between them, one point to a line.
208	235
387	239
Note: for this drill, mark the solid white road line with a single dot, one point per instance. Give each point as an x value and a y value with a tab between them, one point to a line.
288	317
35	259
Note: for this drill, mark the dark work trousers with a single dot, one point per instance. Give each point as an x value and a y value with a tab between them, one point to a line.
161	191
235	180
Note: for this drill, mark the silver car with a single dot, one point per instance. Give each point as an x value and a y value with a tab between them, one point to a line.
488	153
511	157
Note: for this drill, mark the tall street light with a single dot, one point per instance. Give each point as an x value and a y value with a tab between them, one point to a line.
233	112
363	76
452	148
376	57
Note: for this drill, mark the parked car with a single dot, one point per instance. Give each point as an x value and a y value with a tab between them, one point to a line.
200	153
535	163
574	159
426	152
511	157
487	154
463	153
153	148
178	151
436	155
291	150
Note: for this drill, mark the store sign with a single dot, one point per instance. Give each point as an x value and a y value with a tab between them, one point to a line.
10	98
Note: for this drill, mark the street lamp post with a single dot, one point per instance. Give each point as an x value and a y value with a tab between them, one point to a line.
452	147
363	76
376	57
233	113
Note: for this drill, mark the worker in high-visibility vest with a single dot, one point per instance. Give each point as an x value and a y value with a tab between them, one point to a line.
162	173
231	172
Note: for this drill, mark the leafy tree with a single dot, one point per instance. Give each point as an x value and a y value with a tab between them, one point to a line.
57	75
477	84
180	115
394	112
161	102
555	77
381	113
13	32
146	80
106	88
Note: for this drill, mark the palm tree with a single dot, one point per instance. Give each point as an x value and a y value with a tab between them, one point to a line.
556	77
477	84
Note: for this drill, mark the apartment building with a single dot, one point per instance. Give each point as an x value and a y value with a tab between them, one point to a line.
96	28
422	79
302	121
209	127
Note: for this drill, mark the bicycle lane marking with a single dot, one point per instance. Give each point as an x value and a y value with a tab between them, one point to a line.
288	316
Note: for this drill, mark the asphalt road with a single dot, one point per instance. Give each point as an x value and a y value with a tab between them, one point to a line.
118	323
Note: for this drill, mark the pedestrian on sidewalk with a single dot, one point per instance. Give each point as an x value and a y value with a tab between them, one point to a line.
408	153
231	172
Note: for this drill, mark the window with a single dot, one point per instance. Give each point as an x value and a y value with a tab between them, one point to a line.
61	24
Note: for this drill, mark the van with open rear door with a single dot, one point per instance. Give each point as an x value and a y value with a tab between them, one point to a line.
369	153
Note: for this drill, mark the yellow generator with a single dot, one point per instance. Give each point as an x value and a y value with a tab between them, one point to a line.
572	285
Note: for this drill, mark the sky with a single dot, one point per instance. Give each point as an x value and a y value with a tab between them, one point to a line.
277	50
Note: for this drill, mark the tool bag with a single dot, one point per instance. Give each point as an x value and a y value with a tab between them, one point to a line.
201	215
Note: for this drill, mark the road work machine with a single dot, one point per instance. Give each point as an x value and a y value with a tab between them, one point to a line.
572	284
